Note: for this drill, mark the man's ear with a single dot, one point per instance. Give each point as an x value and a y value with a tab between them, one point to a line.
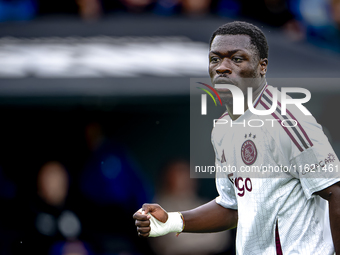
263	65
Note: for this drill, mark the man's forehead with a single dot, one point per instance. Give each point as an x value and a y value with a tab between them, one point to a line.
225	42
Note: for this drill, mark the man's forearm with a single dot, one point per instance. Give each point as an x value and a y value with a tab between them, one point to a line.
210	217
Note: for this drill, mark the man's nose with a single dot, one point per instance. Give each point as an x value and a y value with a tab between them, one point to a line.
224	68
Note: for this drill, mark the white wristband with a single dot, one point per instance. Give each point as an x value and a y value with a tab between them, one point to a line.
173	224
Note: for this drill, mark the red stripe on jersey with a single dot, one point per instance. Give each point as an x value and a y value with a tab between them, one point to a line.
292	116
277	241
223	116
287	131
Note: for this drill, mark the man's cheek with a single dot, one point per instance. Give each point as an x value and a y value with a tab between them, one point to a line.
249	72
211	72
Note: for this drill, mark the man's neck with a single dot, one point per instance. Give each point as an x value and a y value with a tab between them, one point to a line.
254	95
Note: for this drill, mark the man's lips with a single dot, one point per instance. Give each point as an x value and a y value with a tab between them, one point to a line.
223	80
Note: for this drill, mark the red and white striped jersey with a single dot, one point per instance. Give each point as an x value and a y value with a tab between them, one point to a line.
268	168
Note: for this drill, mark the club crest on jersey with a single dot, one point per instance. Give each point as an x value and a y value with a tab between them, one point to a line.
248	151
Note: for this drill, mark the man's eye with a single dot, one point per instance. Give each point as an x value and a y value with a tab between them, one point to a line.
214	59
237	59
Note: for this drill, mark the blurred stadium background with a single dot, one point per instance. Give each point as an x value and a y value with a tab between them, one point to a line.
94	102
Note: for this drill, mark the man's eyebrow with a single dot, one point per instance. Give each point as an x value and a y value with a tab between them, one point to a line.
231	52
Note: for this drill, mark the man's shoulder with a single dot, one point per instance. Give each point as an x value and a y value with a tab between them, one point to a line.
287	124
287	112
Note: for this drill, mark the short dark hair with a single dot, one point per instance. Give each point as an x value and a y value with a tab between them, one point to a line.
257	37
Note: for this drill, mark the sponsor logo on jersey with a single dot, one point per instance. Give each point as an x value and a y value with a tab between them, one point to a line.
240	184
243	185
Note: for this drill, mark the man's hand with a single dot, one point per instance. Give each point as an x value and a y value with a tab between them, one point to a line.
142	219
152	220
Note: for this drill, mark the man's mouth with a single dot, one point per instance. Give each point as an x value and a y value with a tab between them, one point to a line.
223	80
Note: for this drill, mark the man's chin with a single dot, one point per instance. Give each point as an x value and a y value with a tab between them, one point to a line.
227	99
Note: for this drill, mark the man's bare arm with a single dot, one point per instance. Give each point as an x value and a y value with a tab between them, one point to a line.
332	194
210	217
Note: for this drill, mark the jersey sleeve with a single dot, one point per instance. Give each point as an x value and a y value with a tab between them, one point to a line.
226	193
224	185
313	158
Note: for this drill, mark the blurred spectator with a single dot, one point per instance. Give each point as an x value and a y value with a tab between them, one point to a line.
294	30
319	18
55	226
53	184
90	9
137	6
11	10
70	248
167	7
178	193
113	188
195	7
87	9
335	12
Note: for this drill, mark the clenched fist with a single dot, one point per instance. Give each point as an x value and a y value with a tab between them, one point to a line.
152	220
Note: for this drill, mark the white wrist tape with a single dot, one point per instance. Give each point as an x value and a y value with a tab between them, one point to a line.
173	224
